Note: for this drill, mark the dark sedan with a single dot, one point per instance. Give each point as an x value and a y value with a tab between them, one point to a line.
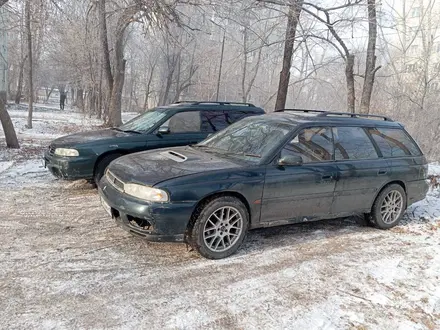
268	170
86	155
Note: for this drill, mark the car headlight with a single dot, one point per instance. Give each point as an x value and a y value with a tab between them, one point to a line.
145	193
66	152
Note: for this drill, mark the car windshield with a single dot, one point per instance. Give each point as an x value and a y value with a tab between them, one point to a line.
249	139
143	122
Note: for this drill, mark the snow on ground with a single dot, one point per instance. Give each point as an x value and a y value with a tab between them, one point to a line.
49	123
65	264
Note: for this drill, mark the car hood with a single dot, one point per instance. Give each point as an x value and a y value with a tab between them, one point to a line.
90	136
152	167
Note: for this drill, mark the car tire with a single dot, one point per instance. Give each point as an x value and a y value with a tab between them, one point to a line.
102	165
389	207
218	227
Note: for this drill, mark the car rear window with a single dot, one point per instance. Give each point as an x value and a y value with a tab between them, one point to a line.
353	143
394	142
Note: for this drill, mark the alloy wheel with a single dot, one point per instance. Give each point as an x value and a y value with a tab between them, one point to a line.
222	229
391	207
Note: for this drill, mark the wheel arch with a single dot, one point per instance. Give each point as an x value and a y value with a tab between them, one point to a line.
399	182
220	194
105	154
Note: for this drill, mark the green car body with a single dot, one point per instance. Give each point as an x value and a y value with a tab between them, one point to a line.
85	155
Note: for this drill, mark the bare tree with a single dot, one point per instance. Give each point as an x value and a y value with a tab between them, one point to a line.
293	15
30	58
370	66
340	46
5	119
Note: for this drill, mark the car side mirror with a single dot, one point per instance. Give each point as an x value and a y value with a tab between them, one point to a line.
290	160
163	130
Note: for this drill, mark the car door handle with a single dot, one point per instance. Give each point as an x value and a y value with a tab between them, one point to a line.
327	177
382	172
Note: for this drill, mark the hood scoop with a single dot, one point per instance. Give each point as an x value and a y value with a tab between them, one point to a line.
177	157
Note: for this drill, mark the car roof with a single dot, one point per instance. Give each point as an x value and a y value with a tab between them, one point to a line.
299	117
211	106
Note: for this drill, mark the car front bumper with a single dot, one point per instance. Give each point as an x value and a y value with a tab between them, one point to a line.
156	222
69	168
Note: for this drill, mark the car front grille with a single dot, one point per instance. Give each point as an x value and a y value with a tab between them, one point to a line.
117	183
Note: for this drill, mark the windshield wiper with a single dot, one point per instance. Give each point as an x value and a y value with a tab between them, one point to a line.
243	154
127	131
132	131
226	152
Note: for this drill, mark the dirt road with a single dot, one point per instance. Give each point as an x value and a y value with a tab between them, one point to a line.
64	264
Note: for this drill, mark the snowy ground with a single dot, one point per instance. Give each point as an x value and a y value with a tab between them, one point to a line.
64	263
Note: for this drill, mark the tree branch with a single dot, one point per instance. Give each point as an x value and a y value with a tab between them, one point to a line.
329	25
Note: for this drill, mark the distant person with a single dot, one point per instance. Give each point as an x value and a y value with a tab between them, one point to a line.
63	100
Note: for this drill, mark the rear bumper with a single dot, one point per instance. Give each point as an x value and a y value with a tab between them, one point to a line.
157	222
69	168
416	190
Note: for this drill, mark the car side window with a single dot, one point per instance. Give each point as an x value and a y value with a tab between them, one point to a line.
394	142
213	121
235	115
353	143
313	144
184	122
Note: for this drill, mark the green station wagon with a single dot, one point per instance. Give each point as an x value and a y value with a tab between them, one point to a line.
281	168
86	155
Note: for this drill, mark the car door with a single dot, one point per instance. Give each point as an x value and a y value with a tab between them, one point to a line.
303	192
183	128
361	172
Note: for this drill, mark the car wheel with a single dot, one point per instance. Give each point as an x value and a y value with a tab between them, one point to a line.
218	227
102	165
389	207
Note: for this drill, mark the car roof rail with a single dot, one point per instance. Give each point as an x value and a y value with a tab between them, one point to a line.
301	110
354	115
323	113
216	103
182	102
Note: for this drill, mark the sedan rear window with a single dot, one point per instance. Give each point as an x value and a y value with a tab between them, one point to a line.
394	142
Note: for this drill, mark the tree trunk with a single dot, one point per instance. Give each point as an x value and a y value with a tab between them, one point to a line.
80	99
106	56
256	68
114	117
99	106
292	22
20	81
370	66
169	81
147	92
30	73
220	67
349	75
8	127
72	96
244	73
49	93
